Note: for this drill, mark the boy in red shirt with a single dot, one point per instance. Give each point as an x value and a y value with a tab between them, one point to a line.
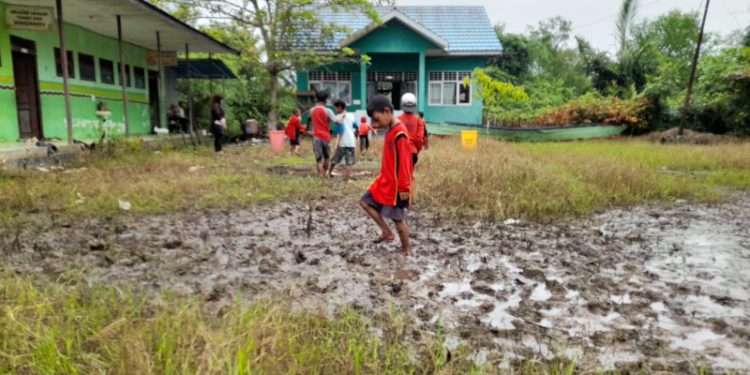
390	194
321	117
294	130
414	124
364	131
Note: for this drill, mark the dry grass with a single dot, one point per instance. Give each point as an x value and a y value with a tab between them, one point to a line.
546	181
538	181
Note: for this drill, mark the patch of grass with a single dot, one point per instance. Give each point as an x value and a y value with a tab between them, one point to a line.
546	181
157	182
68	327
533	181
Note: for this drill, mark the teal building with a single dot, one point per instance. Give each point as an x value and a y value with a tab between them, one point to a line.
426	50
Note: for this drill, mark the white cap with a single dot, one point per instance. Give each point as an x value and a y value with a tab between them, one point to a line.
409	102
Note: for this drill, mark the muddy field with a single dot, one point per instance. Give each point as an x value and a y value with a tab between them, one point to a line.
656	287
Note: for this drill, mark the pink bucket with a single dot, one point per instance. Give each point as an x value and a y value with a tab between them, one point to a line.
277	140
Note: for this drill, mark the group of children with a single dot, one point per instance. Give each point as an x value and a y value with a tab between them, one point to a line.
405	136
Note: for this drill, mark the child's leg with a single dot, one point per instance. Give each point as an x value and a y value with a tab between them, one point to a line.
403	234
386	235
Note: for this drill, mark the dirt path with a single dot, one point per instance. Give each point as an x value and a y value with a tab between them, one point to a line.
636	288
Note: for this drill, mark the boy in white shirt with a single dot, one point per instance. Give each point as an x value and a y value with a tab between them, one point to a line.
346	140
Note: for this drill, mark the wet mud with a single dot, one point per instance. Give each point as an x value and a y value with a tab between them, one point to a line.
658	287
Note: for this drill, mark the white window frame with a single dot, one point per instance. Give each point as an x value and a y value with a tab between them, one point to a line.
343	79
441	82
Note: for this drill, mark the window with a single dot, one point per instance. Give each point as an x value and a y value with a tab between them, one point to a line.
88	68
140	77
449	88
127	75
106	71
338	84
71	63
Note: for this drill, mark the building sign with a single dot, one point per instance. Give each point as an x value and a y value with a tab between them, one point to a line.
29	18
168	58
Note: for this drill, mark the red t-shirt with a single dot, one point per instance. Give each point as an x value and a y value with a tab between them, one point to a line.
395	168
364	129
321	125
293	128
415	126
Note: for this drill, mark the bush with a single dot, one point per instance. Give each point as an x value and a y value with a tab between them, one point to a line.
594	109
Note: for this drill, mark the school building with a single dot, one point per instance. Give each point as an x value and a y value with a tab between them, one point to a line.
102	39
425	50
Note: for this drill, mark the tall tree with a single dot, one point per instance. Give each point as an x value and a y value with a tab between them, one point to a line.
515	59
289	31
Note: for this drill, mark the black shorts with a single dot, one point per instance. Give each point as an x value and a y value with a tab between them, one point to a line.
387	212
294	142
414	159
364	142
321	149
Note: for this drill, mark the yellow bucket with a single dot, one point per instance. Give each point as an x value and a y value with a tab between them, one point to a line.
469	139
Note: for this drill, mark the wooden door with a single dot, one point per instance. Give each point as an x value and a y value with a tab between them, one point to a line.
153	99
27	87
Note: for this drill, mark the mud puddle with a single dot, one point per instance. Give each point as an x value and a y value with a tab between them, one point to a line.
310	172
652	287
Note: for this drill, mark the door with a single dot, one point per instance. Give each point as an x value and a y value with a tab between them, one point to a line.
27	87
153	99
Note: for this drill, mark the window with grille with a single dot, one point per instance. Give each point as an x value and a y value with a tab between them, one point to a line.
140	77
59	66
449	88
107	71
337	84
88	70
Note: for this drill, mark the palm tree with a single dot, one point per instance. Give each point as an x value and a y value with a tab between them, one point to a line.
625	21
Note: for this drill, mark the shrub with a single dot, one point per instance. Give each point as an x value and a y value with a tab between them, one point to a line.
595	109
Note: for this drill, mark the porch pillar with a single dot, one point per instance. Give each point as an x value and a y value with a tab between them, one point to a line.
162	99
362	83
422	82
123	77
64	58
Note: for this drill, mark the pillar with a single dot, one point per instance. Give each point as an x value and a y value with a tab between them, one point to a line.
65	68
422	82
123	77
362	83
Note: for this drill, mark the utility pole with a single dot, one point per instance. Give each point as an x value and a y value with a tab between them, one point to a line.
689	94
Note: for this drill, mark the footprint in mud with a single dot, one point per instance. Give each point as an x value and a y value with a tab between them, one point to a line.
406	275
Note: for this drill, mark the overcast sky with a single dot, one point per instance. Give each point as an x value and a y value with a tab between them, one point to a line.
594	19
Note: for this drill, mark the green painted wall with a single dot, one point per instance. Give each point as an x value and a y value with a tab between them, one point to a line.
471	114
394	36
85	95
409	62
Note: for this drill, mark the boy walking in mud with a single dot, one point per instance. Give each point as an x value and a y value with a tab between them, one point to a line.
390	194
345	141
294	131
321	117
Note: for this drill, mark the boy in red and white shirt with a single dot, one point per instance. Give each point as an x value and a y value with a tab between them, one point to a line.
414	124
390	195
322	117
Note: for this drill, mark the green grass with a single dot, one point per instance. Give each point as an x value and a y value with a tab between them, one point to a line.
68	327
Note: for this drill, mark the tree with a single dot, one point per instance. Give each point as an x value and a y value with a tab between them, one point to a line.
746	38
515	59
288	31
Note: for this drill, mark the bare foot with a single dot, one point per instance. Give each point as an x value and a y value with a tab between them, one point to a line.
385	237
406	250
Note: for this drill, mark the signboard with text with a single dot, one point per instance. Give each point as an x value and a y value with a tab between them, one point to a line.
30	18
168	58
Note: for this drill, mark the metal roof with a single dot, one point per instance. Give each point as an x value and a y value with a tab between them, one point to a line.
140	22
204	69
467	29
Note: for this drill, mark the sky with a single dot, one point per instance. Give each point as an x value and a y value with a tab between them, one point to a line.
595	19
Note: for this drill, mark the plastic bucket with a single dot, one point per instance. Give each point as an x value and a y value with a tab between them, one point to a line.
277	140
469	139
